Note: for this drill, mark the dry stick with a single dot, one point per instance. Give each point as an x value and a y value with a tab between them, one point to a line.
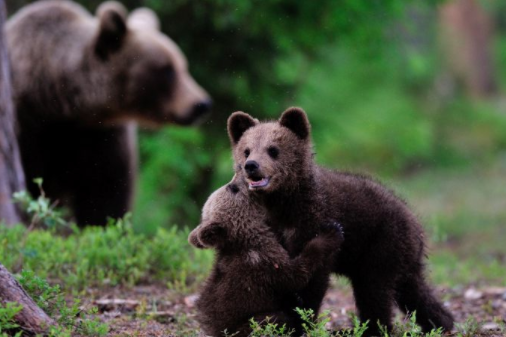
31	318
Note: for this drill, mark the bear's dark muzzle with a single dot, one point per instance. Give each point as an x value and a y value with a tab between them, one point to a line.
251	167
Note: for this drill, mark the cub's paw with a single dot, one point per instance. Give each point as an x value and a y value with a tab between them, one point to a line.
316	251
332	231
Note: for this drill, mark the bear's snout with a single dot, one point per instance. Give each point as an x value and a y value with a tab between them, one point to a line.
251	167
202	108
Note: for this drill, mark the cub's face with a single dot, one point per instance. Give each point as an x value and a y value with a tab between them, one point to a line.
227	217
270	156
152	72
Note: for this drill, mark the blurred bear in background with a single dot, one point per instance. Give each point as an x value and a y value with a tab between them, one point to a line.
81	83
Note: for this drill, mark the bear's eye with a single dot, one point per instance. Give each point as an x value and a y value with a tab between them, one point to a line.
246	153
273	152
168	73
233	188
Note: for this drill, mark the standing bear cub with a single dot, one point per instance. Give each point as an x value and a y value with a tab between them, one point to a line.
253	275
384	247
80	82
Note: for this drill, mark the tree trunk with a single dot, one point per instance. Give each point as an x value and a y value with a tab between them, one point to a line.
467	41
11	173
31	318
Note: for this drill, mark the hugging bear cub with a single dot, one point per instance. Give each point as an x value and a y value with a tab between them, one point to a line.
383	252
253	275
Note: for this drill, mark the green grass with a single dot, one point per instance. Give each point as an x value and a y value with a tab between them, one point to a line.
464	212
99	257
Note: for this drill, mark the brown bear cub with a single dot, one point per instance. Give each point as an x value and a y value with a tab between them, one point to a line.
253	275
80	83
384	245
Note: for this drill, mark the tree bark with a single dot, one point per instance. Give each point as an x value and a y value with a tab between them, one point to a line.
11	172
31	318
466	31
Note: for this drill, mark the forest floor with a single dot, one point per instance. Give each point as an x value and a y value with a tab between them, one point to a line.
156	311
464	212
157	277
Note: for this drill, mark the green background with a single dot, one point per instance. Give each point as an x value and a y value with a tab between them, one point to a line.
366	72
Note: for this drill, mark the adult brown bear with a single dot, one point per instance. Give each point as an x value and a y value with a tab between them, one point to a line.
384	246
79	84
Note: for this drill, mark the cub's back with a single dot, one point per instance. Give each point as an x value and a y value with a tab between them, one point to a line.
369	213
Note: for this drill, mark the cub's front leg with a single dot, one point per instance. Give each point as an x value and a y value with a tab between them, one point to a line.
316	256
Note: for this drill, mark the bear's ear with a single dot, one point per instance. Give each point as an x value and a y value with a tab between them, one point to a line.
193	238
144	18
211	234
237	124
112	29
296	120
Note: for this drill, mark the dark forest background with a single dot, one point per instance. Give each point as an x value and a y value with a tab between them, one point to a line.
392	88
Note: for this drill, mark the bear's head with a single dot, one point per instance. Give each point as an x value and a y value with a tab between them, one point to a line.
229	220
148	70
271	156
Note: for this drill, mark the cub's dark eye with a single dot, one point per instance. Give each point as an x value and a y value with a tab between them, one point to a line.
233	188
273	152
246	153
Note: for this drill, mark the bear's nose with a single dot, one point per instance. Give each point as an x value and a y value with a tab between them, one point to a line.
251	166
202	108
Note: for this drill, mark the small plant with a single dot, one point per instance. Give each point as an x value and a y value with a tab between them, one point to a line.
268	329
314	327
182	326
91	327
42	211
7	313
471	327
358	329
409	328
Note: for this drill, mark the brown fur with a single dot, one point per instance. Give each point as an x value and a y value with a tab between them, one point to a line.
253	276
384	247
79	84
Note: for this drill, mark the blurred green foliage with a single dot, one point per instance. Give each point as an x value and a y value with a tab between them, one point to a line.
367	72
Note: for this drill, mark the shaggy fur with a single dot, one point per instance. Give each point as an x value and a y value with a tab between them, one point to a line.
253	275
79	84
384	247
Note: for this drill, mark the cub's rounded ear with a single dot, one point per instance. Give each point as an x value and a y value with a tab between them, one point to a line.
144	18
212	234
237	124
112	29
296	120
194	240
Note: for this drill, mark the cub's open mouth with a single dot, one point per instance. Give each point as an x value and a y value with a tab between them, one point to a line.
258	183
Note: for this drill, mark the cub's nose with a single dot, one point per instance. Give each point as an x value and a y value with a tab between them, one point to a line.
251	166
201	108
